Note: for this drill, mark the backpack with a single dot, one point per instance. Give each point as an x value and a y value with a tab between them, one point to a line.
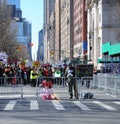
88	95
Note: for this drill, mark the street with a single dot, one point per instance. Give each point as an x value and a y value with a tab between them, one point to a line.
101	109
60	117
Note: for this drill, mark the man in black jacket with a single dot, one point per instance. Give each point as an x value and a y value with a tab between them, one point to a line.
72	81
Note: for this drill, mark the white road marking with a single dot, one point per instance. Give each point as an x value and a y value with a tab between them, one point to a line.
34	105
117	103
105	106
10	105
82	106
57	105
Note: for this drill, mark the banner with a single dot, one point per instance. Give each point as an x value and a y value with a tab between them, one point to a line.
36	63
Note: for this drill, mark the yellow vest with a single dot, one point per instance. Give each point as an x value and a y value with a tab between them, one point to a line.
33	76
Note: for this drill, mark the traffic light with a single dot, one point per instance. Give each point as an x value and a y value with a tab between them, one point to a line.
18	48
52	53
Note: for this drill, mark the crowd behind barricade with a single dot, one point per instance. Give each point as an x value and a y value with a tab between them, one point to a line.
34	76
31	75
108	68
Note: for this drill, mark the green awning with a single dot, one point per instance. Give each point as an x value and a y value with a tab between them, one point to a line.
111	50
106	47
114	49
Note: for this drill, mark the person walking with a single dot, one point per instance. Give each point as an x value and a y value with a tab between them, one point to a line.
70	72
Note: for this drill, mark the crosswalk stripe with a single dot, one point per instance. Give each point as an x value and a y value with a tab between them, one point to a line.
117	103
34	105
57	105
82	106
10	105
105	106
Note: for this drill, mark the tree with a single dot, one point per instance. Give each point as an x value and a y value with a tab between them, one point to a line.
7	31
8	34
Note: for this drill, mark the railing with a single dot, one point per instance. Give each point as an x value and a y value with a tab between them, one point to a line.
11	86
108	83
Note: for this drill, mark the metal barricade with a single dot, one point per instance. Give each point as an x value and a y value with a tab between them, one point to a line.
11	86
60	85
85	86
117	86
108	83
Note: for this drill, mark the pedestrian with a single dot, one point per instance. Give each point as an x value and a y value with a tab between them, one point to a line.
64	80
57	75
70	72
40	76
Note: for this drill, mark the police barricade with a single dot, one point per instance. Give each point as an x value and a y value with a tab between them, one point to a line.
85	87
117	86
59	85
109	84
11	86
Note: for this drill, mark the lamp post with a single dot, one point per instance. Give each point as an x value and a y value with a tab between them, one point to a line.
90	47
79	53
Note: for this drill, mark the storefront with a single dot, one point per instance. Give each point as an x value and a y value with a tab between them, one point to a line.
111	57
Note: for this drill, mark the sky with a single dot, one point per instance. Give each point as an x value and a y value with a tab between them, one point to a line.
32	10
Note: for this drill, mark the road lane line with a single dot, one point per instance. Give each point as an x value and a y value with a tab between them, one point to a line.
57	105
34	105
82	106
10	105
105	106
117	103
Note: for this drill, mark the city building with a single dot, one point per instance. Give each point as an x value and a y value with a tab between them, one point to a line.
14	2
103	31
57	51
51	43
24	27
16	7
80	29
49	6
40	52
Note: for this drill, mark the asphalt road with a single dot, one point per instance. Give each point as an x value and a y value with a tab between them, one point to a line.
37	117
102	109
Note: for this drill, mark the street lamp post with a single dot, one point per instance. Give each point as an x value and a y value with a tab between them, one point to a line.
79	53
90	47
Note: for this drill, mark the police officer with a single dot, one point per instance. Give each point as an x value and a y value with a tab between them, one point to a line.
72	81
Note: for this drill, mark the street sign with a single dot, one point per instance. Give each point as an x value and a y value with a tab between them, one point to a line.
84	70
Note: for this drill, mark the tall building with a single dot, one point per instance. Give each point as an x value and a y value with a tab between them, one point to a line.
48	9
66	29
103	30
14	2
24	27
57	52
24	35
16	7
40	52
80	28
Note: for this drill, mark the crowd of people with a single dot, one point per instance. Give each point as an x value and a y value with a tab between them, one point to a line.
35	76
